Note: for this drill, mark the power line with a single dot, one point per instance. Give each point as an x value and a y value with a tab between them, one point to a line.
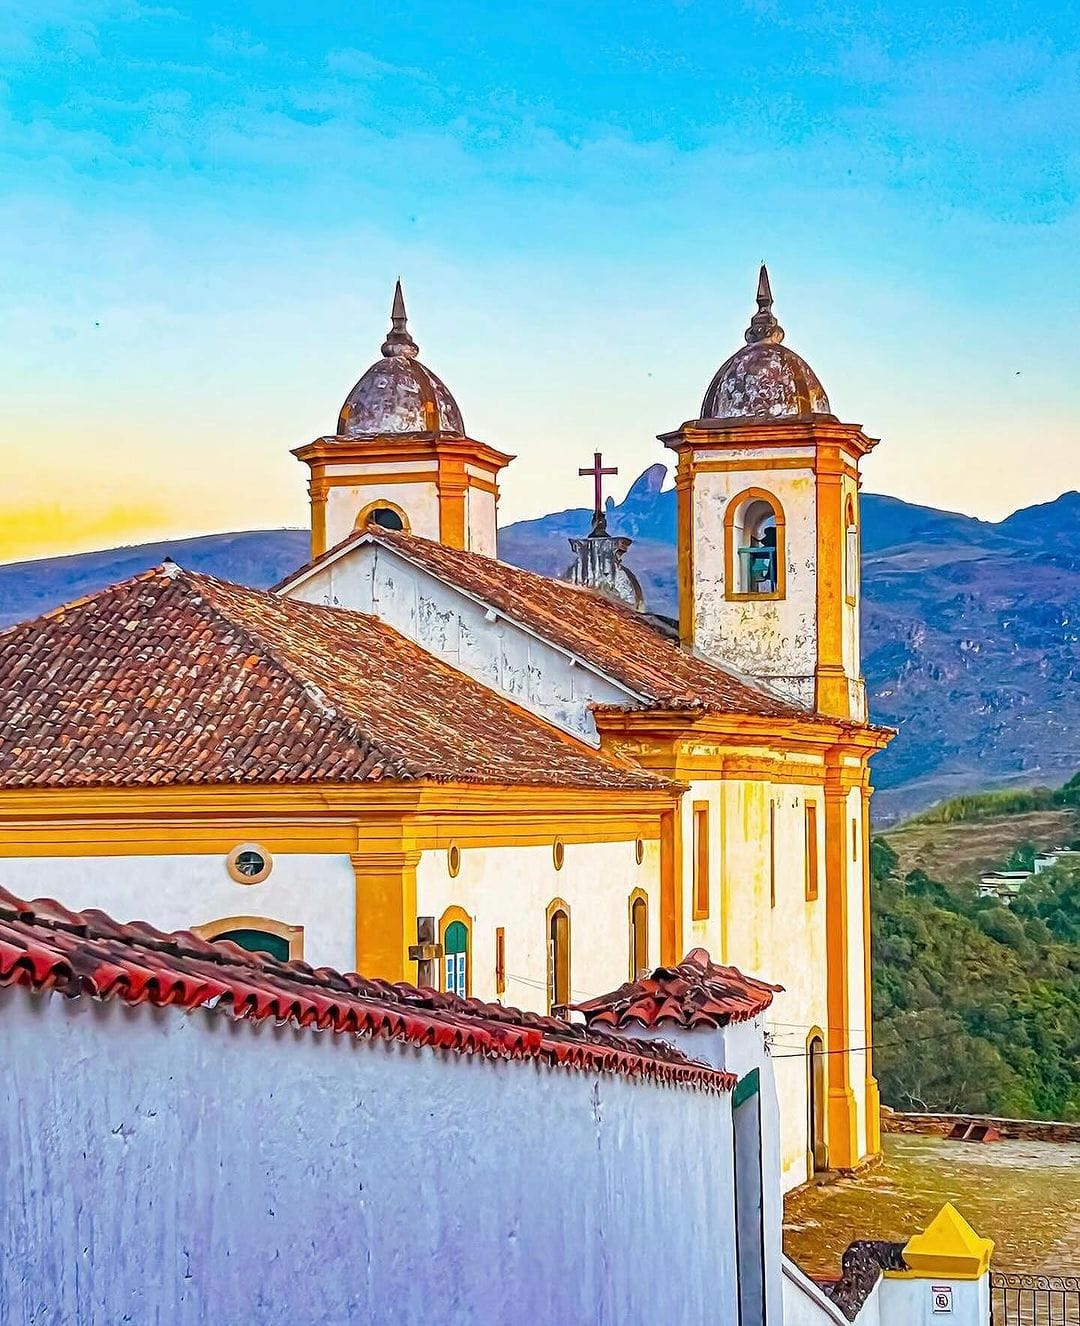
795	1026
881	1045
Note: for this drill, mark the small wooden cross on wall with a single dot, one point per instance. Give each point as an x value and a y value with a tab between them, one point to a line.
598	472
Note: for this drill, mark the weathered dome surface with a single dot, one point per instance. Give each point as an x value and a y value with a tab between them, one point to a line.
764	380
398	394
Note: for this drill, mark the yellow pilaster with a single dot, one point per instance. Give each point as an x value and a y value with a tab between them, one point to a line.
843	1135
385	913
317	493
452	484
831	682
873	1097
684	497
671	900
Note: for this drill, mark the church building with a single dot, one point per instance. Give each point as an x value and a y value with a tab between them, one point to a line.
415	761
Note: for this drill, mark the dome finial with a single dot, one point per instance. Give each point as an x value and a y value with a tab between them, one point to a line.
763	325
398	341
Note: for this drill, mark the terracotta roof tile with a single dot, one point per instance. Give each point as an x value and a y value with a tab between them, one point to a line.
174	677
610	635
696	993
46	947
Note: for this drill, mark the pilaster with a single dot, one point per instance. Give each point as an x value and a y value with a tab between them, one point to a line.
317	490
873	1097
385	912
452	484
842	1123
671	900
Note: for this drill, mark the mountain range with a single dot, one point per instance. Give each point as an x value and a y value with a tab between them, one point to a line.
970	627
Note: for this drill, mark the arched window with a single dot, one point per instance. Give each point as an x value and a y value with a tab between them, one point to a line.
851	553
455	931
817	1153
257	934
387	515
558	936
639	933
754	546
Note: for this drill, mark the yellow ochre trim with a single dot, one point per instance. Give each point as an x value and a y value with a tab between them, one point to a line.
842	1121
555	906
873	1096
317	492
385	913
292	934
381	504
671	888
684	498
452	914
328	818
637	896
731	589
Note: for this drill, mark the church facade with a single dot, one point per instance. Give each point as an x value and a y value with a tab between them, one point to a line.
415	761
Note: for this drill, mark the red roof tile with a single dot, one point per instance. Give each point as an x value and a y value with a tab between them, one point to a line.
46	947
696	993
611	636
174	677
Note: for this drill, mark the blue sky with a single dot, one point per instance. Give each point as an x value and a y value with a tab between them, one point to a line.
203	209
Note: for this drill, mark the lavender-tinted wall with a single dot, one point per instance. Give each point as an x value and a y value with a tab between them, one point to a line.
162	1167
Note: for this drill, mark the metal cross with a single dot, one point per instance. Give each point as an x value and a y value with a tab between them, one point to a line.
598	471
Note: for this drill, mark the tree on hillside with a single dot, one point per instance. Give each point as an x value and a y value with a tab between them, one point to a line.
976	1006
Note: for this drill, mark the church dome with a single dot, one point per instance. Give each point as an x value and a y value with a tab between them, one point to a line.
764	380
398	394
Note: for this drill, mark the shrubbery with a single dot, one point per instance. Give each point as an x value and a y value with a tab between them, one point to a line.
987	805
976	1005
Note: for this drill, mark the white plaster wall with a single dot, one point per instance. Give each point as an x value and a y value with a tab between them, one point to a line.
177	892
480	520
182	1169
512	887
910	1302
419	501
772	639
806	1305
740	1048
785	944
454	627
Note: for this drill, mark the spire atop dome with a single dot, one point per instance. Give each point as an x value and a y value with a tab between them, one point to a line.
398	341
764	379
763	325
398	394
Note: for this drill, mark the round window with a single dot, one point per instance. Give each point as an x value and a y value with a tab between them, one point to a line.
249	863
453	860
639	851
558	853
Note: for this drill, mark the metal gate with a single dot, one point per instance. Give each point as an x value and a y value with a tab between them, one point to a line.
1034	1300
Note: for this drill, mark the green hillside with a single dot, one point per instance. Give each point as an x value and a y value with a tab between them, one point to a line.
977	1005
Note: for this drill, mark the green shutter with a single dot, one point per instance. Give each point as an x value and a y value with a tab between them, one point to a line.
457	938
746	1087
259	941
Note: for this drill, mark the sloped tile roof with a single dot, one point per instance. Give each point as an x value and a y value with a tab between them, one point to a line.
611	636
177	678
46	947
696	993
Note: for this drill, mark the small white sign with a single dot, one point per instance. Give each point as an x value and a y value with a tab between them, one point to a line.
941	1296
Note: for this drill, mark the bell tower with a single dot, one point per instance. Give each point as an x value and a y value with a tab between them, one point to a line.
401	457
768	524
